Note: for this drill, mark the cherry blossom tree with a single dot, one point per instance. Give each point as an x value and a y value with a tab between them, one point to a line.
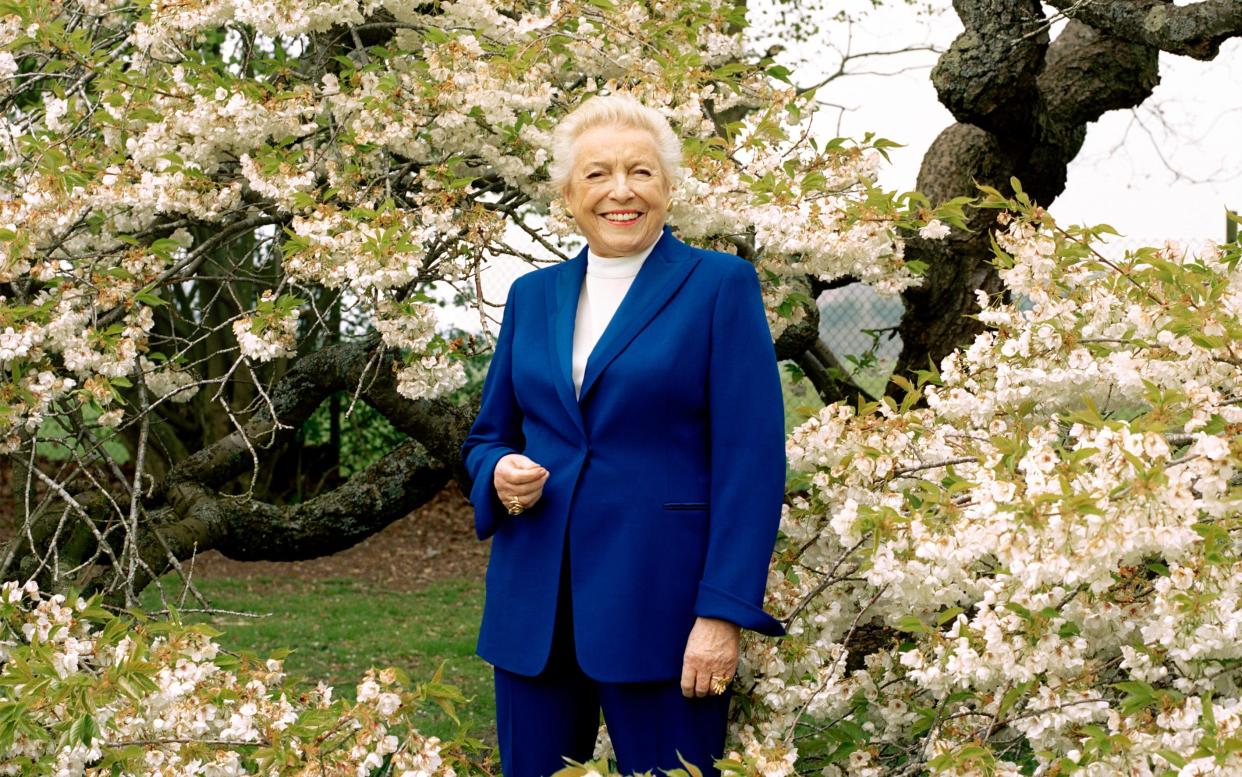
219	216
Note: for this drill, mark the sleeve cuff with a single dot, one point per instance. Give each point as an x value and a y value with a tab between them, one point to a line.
715	603
487	507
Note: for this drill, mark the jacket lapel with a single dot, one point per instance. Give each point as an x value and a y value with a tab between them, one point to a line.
657	281
658	278
563	300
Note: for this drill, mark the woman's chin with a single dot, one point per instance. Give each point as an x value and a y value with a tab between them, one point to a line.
624	241
614	248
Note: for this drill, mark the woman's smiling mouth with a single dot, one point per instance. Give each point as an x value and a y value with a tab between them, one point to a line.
622	218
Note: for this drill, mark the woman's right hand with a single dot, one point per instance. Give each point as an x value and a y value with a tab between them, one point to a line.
518	477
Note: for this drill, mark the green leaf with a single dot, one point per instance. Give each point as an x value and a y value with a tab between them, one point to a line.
1011	697
693	770
780	73
148	298
164	247
948	615
1215	425
1138	696
1020	611
1208	715
204	629
83	730
852	731
913	624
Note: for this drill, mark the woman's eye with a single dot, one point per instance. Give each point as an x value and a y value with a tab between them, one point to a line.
594	175
642	171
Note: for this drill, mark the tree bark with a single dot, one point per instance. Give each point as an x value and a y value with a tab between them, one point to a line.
1022	106
1196	30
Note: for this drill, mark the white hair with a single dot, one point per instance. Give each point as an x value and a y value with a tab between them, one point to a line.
618	110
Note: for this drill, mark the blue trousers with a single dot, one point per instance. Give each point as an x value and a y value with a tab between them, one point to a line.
556	713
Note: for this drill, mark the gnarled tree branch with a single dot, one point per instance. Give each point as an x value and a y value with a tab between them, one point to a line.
1196	30
1023	107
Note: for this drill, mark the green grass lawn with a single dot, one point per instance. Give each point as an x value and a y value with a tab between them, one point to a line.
338	628
801	401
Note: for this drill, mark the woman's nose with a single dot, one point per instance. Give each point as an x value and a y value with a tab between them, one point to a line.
621	187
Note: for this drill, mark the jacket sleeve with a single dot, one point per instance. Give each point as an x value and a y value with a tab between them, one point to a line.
497	431
747	427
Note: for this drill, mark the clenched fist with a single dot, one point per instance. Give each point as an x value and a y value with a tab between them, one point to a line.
517	476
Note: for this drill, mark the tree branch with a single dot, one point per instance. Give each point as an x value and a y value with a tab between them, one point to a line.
1196	30
987	77
251	530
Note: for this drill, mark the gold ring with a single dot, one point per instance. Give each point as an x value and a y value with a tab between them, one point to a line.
515	506
719	685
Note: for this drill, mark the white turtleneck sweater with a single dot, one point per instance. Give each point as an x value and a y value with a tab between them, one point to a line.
607	280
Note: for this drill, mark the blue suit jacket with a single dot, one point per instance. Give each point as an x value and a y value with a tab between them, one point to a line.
668	472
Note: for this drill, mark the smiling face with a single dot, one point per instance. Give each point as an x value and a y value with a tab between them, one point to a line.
617	190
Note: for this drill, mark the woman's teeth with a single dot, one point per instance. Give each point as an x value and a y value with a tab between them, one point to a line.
621	218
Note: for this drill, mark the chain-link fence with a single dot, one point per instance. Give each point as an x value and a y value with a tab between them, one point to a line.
859	326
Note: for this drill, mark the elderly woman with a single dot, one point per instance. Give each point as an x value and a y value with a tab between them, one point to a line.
628	464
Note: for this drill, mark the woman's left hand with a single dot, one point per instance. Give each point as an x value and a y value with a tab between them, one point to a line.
711	653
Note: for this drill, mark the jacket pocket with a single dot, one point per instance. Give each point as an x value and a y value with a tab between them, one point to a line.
685	505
